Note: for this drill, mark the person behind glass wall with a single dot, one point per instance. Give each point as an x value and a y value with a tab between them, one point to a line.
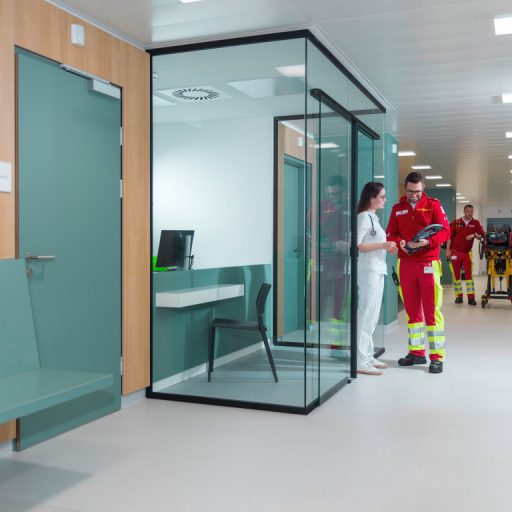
371	269
334	257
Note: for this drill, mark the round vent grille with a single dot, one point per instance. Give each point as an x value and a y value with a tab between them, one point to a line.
195	94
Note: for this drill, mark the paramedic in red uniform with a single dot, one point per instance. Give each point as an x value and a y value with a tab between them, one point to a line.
458	251
419	273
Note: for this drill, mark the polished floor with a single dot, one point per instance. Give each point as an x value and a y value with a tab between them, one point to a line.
404	441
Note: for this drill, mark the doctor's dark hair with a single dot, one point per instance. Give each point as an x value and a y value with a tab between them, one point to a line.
370	190
414	177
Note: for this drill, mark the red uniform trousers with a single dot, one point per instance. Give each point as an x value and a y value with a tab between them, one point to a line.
462	260
422	295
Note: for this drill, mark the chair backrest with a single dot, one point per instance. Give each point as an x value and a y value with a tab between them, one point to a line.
18	348
261	299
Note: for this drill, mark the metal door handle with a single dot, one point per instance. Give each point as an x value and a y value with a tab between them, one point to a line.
31	257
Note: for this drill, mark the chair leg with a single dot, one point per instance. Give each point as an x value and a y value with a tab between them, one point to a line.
269	353
211	351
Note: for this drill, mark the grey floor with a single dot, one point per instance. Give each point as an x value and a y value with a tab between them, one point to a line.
404	441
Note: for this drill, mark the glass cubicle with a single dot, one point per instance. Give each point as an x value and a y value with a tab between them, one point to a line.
253	145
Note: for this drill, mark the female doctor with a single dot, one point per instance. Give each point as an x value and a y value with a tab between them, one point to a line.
371	269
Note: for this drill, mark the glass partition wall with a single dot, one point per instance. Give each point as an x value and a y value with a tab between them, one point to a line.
255	151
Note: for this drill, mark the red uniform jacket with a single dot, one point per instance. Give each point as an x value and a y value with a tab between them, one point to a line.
459	231
405	222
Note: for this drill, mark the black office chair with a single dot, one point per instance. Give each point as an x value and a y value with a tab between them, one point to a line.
246	325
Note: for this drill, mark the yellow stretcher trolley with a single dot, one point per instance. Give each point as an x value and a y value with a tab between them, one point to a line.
497	249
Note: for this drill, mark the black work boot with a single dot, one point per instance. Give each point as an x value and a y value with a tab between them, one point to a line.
436	367
411	359
472	302
458	300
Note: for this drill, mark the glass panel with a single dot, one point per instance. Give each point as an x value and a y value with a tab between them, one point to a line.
223	118
328	225
226	156
333	140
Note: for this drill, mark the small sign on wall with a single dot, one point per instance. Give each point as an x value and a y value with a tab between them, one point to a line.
5	177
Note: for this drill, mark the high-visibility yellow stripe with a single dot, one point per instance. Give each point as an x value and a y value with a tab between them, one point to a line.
415	347
440	352
438	292
400	285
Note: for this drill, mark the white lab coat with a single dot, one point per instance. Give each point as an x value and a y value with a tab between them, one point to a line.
371	270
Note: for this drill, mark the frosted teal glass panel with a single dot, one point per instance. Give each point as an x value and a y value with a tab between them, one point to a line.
70	207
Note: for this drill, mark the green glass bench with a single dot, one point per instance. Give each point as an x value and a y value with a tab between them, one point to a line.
25	386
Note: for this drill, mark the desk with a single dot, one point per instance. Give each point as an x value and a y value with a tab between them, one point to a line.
200	295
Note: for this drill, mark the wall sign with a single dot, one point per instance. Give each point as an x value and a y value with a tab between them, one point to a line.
5	177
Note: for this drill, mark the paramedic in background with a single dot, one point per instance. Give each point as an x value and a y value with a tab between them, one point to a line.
334	249
419	273
371	269
458	251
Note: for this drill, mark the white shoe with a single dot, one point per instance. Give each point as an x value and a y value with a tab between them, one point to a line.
378	364
368	369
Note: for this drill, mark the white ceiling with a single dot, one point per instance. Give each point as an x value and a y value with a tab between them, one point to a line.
437	62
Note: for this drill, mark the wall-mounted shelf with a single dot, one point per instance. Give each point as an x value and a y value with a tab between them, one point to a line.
200	295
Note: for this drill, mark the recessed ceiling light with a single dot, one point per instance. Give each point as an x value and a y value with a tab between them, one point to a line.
510	157
466	201
406	153
379	177
508	135
503	25
461	197
506	97
459	193
189	1
420	167
297	70
511	171
326	145
434	177
443	185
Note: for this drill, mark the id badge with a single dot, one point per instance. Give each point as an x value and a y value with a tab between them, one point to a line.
428	270
454	258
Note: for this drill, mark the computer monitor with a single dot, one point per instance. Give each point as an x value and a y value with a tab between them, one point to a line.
175	249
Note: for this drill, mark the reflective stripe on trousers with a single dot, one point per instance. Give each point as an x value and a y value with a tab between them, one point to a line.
422	294
416	336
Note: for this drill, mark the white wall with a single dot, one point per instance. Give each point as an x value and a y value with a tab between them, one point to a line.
217	179
499	212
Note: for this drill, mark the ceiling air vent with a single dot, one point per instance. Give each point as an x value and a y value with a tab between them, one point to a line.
198	94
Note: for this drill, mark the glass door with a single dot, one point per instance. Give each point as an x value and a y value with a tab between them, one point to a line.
332	129
69	161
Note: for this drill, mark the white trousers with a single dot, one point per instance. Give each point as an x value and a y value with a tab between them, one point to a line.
371	288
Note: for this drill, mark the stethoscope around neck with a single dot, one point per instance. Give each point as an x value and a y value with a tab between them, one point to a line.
372	231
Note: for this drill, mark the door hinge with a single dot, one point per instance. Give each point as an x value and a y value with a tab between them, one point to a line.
121	135
121	189
121	365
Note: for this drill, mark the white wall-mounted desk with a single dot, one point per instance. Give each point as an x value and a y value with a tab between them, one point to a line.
200	295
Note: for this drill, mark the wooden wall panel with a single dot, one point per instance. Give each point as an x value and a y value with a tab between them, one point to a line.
40	27
45	29
7	149
136	220
7	124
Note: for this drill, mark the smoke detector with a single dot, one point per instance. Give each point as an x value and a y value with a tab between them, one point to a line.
198	94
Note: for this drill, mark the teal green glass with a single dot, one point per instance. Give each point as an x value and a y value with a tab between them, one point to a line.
69	206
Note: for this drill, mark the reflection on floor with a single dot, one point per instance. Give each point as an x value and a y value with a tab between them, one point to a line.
249	378
330	333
